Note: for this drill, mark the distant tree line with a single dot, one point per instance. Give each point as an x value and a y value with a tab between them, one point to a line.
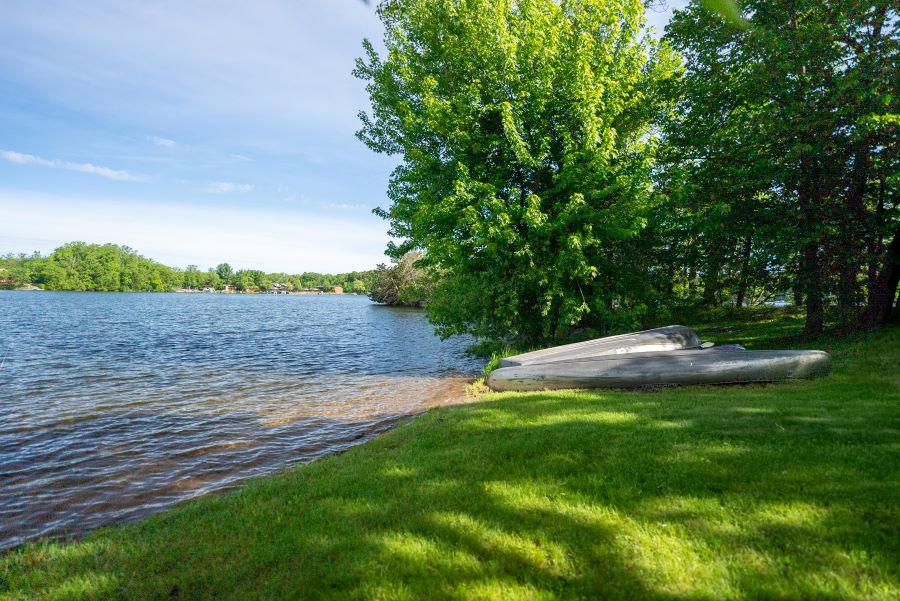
112	268
559	169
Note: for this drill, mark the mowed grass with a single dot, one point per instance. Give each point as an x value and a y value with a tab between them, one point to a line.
787	491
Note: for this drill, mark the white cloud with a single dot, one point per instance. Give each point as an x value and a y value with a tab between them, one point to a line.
106	172
178	234
273	65
343	206
163	142
21	158
25	159
227	187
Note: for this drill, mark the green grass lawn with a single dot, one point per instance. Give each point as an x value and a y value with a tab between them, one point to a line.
777	492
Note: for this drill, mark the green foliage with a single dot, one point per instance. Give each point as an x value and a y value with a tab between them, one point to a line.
193	277
356	287
524	133
488	347
492	364
225	273
212	280
527	131
111	268
404	284
781	159
250	279
787	491
81	266
728	9
19	270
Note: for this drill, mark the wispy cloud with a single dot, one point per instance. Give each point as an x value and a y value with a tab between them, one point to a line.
21	158
122	176
167	230
227	187
163	142
343	206
25	159
93	58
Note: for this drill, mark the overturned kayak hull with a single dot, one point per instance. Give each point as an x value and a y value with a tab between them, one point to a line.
669	338
663	369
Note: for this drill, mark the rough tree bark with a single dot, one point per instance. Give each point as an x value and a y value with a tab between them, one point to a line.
885	286
853	237
811	268
711	283
745	267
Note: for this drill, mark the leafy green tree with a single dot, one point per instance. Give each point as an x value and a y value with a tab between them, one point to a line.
106	267
211	278
789	130
403	284
193	277
22	268
296	282
524	134
226	273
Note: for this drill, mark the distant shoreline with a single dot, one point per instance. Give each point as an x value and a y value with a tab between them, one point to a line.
179	291
80	266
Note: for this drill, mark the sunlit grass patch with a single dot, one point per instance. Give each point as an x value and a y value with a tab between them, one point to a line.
788	491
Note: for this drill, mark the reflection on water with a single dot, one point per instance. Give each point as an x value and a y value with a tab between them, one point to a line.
113	406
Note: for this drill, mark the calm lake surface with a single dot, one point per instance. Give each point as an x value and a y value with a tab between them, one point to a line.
114	406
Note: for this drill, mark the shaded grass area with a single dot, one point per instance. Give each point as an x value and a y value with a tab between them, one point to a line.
784	492
764	328
756	327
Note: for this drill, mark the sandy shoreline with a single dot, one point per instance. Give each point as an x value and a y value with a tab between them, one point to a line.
436	392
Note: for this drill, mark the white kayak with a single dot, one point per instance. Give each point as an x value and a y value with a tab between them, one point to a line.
663	369
669	338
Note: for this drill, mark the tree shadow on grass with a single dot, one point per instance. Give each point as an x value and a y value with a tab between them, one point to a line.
754	492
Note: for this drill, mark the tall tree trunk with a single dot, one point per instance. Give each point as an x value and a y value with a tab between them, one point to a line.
894	316
853	237
555	312
798	293
692	278
872	276
811	269
885	288
875	250
745	267
848	287
711	283
670	276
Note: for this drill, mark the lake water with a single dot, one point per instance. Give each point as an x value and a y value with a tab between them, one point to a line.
113	406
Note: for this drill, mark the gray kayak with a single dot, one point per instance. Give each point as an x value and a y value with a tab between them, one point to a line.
663	369
669	338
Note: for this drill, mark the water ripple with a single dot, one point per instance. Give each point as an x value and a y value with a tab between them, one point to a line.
113	406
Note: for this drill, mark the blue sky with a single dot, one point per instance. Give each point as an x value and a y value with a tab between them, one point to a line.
195	132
